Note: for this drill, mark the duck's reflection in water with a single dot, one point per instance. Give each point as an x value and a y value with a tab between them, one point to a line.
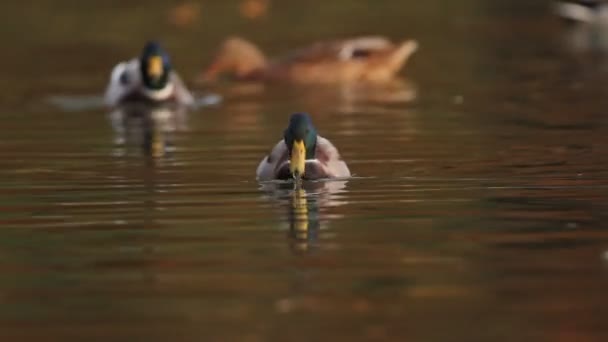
304	224
344	97
147	129
306	210
397	92
352	96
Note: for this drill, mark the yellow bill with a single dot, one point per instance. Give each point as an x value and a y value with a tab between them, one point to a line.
297	163
155	66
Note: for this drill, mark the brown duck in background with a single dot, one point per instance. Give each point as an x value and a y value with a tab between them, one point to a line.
371	59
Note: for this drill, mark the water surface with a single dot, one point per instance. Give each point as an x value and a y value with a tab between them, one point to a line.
478	210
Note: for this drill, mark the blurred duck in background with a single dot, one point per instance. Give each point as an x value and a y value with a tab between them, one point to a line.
582	11
588	29
371	59
149	78
302	153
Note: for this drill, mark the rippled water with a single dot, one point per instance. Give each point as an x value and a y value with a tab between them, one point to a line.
477	211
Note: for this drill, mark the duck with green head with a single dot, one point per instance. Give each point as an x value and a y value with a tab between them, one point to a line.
149	78
302	153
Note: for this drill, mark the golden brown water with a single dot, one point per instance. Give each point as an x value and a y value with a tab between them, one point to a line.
478	210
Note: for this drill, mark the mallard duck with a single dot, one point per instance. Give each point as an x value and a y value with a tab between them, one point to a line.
582	11
302	154
149	78
362	59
